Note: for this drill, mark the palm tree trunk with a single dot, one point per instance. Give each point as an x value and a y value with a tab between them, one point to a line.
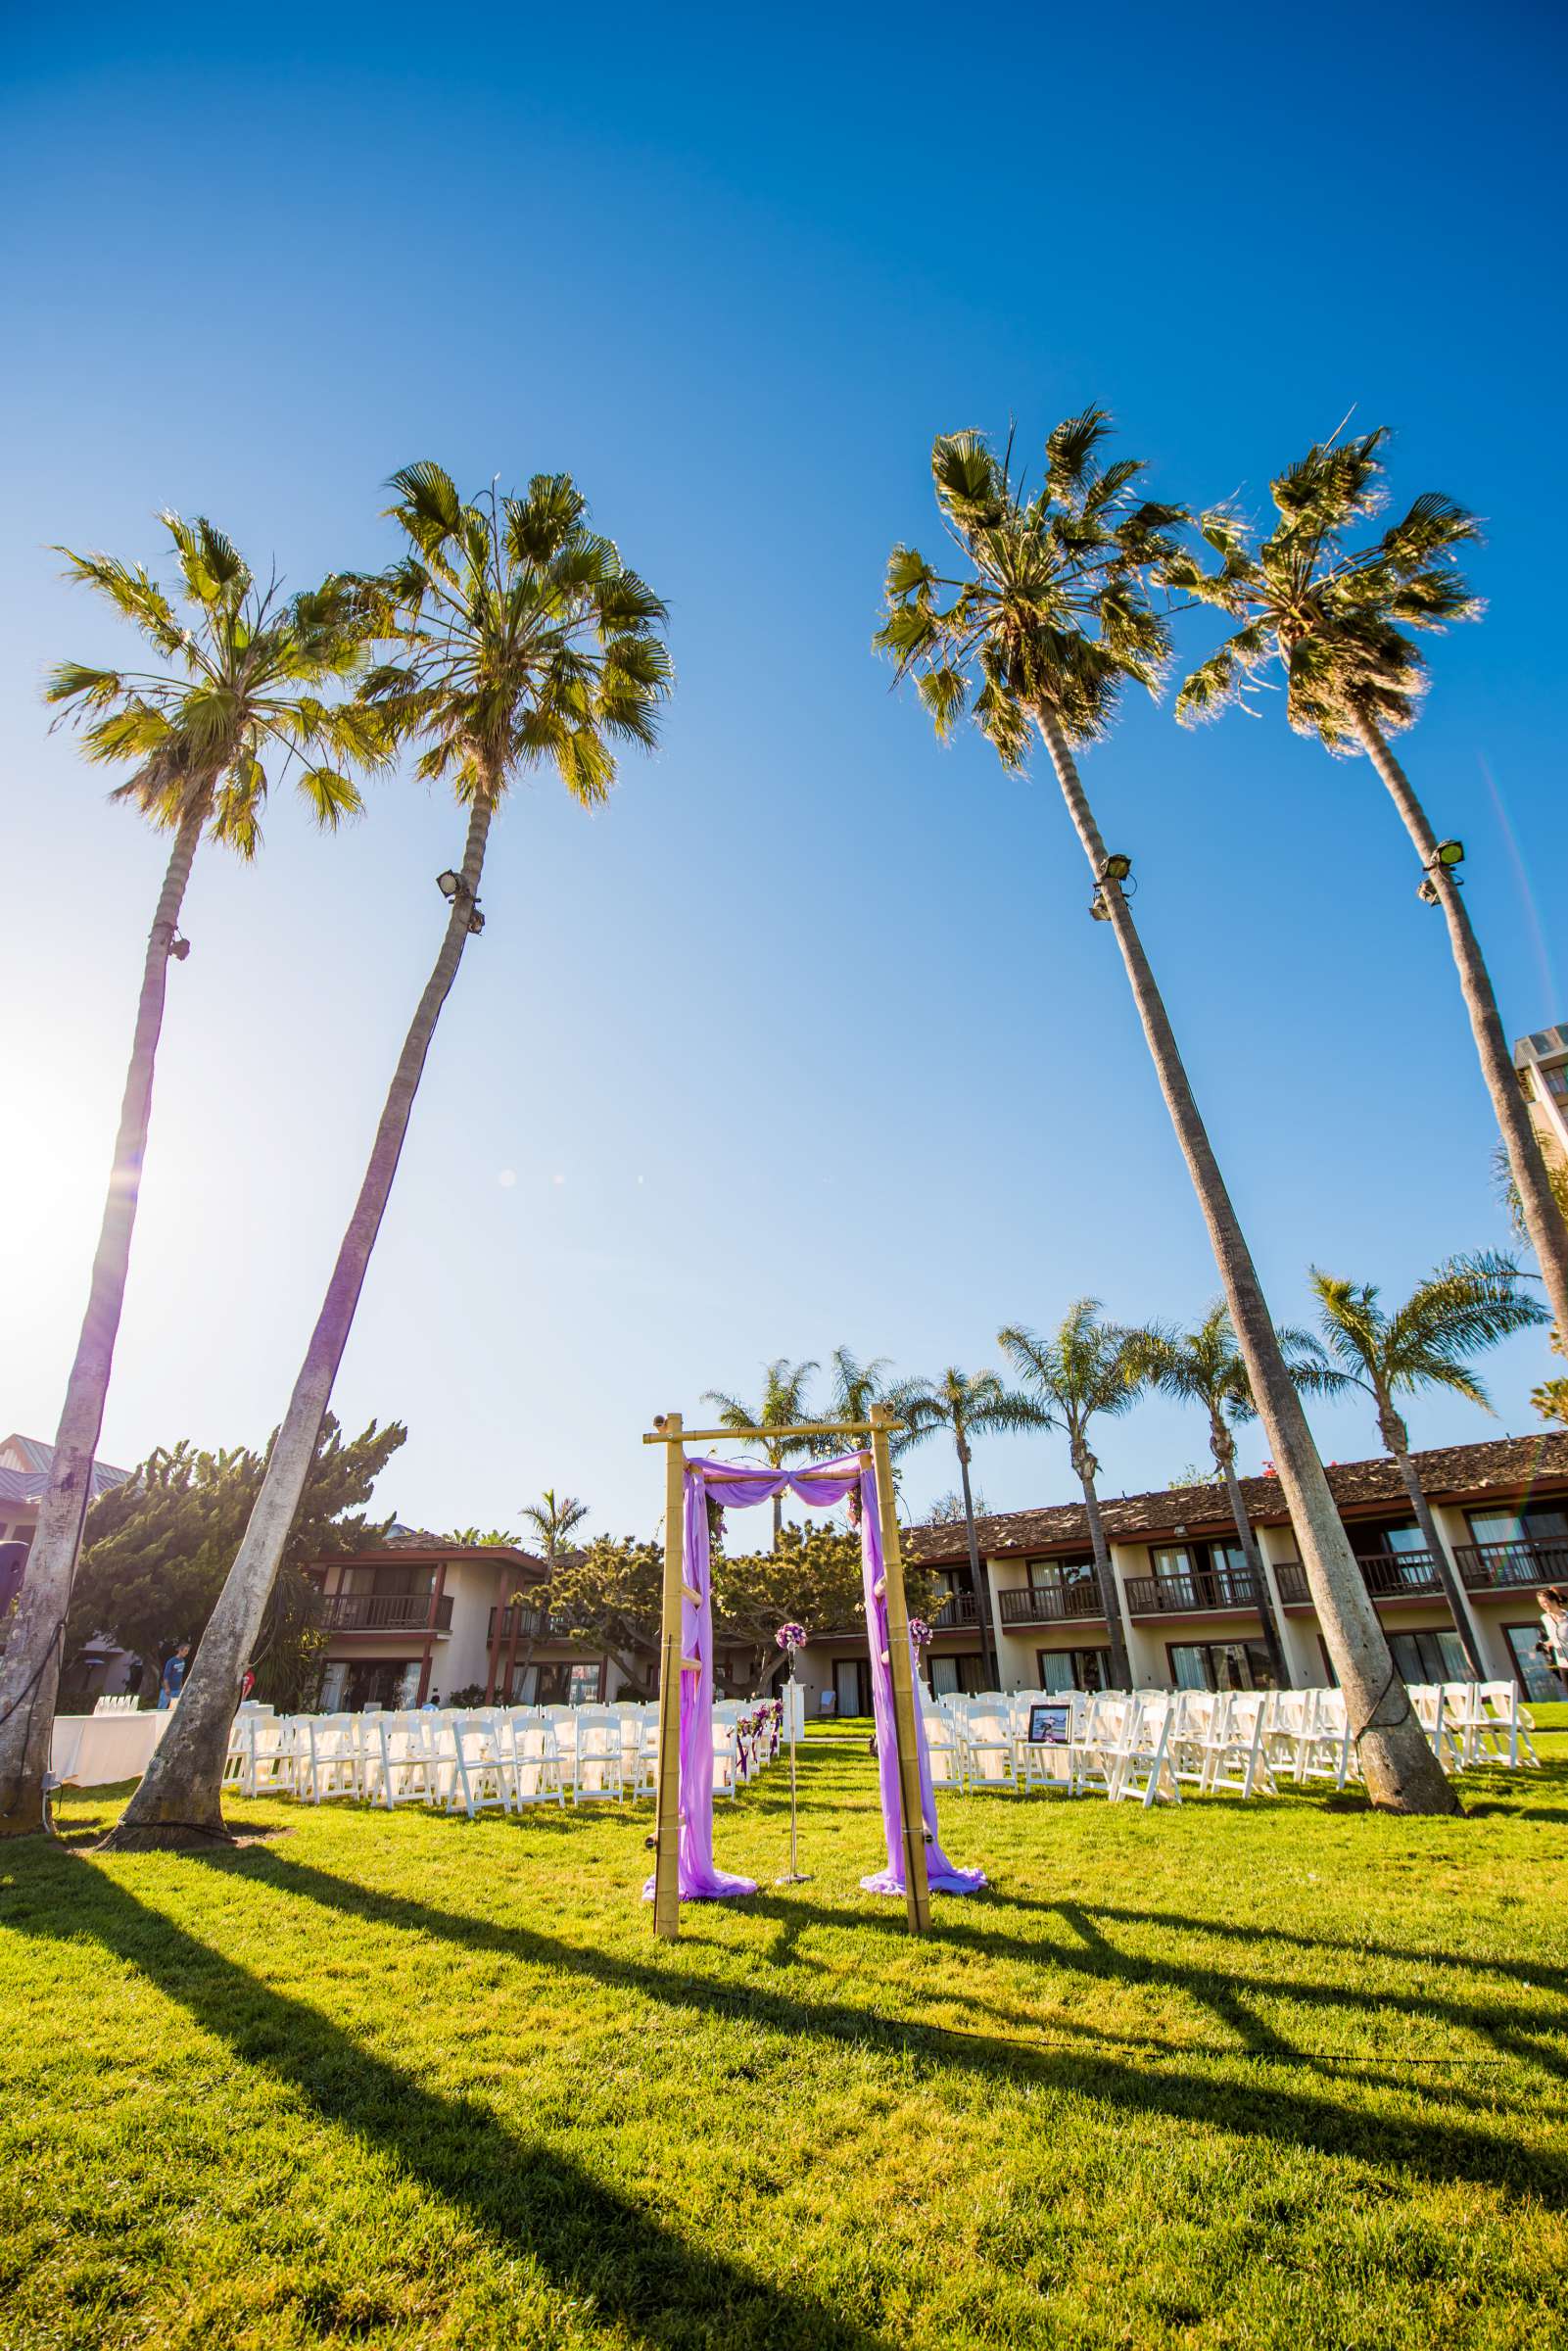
1391	1429
990	1653
1273	1632
30	1675
1544	1220
178	1800
1105	1576
1402	1774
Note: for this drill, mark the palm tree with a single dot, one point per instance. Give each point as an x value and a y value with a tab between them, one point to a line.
233	699
554	1519
966	1407
1465	1305
1084	1370
783	1405
1049	620
1337	619
1203	1366
522	636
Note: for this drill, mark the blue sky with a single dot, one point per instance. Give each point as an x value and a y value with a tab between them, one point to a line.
806	1038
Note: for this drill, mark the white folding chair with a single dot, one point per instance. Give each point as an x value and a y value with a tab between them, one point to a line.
598	1777
536	1759
327	1762
1234	1751
478	1774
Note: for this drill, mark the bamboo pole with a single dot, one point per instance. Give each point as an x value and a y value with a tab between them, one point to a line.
667	1841
661	1432
917	1889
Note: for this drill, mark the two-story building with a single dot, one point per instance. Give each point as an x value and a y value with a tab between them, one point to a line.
1191	1615
414	1618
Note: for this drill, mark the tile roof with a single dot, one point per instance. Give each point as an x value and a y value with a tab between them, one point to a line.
1450	1471
28	1484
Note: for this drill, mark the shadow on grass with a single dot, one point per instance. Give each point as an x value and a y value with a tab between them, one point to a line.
587	2238
1262	2109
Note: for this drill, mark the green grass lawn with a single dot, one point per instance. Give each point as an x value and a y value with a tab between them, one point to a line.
1286	2073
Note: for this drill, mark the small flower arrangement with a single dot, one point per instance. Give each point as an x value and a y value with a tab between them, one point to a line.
919	1632
790	1637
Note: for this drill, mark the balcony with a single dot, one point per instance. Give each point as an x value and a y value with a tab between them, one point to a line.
1387	1575
957	1611
528	1624
1191	1595
1053	1603
1511	1567
382	1612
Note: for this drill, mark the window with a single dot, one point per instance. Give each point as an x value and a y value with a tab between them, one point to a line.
1072	1669
1170	1560
1428	1657
585	1684
1533	1675
1220	1665
1535	1524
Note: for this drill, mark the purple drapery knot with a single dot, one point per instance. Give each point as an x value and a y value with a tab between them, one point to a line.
743	1485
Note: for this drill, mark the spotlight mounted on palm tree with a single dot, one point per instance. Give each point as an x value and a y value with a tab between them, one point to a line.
449	884
1451	852
1116	868
180	946
1099	911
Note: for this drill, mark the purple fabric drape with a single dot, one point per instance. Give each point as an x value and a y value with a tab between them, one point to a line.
741	1486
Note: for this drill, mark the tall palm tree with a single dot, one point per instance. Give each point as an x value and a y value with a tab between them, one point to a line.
234	697
1465	1305
554	1519
783	1405
1084	1370
521	637
1336	618
1203	1366
967	1406
1046	620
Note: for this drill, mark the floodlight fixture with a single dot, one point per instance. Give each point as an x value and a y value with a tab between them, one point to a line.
1426	890
449	884
1098	909
476	921
179	947
1451	852
1116	868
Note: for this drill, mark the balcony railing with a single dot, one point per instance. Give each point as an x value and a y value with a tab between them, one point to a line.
1505	1566
1387	1575
382	1612
1399	1574
957	1610
1053	1603
1191	1595
529	1624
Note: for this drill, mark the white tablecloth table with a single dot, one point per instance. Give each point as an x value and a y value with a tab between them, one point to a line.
92	1750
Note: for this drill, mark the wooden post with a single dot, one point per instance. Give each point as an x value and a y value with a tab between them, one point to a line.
917	1889
666	1857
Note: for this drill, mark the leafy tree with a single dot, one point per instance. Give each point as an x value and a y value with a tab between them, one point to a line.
609	1598
1466	1305
479	1538
948	1508
1046	619
785	1404
1083	1370
157	1545
520	637
1338	618
811	1577
1203	1366
966	1406
233	699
